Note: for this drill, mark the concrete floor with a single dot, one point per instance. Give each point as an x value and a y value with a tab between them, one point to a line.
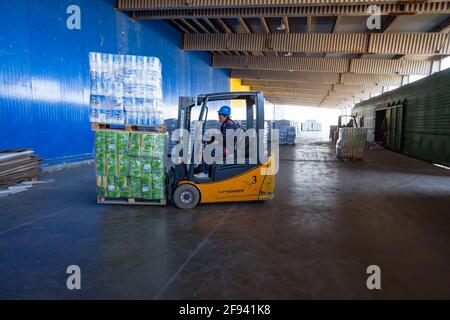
330	221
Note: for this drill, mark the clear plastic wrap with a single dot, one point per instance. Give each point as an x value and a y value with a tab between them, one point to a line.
126	89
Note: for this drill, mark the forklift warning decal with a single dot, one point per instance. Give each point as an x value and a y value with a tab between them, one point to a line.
231	191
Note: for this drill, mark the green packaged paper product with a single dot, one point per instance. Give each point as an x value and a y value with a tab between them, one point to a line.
148	139
159	145
124	187
135	144
135	138
147	145
123	140
100	164
113	190
147	192
135	167
102	185
147	151
135	150
100	148
100	142
111	142
159	189
100	137
158	194
135	188
111	165
157	168
124	165
146	167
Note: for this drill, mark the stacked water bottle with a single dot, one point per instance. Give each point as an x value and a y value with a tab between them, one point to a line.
126	89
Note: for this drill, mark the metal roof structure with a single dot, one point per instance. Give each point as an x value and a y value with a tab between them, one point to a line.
311	52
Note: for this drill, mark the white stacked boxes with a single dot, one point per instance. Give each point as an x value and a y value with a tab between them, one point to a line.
287	130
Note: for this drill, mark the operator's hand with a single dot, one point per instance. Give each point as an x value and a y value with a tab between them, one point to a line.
210	136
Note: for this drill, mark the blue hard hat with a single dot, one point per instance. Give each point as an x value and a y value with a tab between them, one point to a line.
225	110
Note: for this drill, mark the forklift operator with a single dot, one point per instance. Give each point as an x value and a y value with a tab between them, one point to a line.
225	124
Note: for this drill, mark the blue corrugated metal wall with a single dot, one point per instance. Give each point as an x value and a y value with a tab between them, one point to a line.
44	70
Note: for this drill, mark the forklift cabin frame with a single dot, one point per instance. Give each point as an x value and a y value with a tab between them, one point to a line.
355	121
255	120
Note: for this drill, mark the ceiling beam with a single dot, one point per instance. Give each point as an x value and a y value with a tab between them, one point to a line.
211	25
200	26
224	26
320	77
188	25
443	27
287	84
322	93
227	30
286	23
289	90
180	26
159	5
377	43
369	66
316	97
245	25
348	9
336	23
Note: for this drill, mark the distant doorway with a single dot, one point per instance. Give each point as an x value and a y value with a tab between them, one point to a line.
381	127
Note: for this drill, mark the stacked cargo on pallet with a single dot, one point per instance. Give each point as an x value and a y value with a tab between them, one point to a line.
311	125
126	90
351	144
287	130
130	165
130	141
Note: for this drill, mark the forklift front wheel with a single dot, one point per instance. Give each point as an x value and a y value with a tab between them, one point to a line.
186	197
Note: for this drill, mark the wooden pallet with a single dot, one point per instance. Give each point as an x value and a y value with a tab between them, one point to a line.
129	128
131	201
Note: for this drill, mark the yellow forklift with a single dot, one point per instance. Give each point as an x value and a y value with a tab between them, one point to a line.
235	182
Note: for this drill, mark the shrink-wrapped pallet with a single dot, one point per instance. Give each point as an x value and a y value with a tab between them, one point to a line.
352	143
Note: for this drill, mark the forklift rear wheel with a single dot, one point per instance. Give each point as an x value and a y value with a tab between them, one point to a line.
186	197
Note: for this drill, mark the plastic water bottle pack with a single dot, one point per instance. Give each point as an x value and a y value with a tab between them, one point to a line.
126	89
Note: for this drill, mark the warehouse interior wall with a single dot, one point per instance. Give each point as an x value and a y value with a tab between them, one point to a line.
422	128
44	72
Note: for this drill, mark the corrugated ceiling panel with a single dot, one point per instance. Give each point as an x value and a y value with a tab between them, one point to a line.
401	67
281	63
313	42
283	11
319	77
388	43
288	84
403	43
174	4
370	80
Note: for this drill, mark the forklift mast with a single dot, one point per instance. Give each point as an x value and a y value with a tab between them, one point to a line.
184	112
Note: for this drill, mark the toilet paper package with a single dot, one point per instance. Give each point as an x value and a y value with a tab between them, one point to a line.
125	89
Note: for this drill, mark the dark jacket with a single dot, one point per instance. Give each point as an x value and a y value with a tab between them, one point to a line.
228	124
